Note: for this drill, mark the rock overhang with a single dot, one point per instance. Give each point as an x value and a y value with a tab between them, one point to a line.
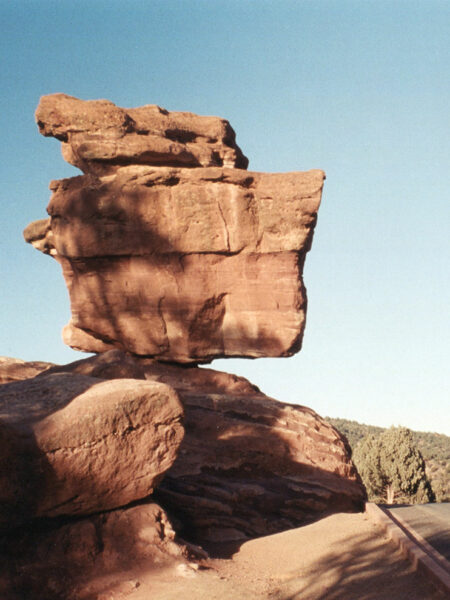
182	262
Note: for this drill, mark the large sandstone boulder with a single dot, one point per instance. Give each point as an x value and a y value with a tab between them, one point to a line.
182	264
248	465
72	444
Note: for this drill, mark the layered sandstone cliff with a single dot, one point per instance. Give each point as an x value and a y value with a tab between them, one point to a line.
183	260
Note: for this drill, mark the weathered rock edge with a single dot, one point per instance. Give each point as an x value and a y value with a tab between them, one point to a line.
248	465
98	137
15	369
73	445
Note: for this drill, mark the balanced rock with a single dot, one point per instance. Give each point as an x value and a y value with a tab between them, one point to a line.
98	556
182	264
248	465
72	444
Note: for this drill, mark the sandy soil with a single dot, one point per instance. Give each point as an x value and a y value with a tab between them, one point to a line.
344	556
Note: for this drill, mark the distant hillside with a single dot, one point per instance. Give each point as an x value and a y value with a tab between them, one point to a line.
435	449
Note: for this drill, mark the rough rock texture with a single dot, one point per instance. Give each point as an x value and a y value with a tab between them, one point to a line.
248	465
168	261
15	369
101	556
72	444
99	136
170	249
160	210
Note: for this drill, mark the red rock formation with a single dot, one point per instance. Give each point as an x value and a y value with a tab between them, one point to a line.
14	369
169	249
101	556
71	444
98	136
173	262
248	465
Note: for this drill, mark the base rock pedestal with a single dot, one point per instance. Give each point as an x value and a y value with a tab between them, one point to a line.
248	465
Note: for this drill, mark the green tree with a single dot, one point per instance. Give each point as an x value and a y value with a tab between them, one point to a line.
392	468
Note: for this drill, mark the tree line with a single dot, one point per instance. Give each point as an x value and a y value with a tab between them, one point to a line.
398	465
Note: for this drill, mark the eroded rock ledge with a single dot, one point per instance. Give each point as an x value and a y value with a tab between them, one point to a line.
98	136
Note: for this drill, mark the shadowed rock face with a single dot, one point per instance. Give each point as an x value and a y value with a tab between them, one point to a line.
248	465
74	445
182	264
98	556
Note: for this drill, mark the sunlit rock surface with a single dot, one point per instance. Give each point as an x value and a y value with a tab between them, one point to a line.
182	262
74	445
98	136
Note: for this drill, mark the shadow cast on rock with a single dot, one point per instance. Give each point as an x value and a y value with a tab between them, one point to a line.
248	465
25	471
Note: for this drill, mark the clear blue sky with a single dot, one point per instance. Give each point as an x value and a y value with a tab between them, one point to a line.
358	88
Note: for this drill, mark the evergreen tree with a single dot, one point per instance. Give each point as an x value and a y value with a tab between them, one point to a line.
392	468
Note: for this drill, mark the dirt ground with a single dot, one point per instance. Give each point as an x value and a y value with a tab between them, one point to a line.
345	556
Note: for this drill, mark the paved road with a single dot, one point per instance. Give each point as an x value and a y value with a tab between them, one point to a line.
432	521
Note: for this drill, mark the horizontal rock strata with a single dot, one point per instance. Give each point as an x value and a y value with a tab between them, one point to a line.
73	444
182	264
151	211
99	136
248	465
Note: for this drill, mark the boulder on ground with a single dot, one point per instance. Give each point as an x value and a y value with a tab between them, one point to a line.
73	445
248	465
